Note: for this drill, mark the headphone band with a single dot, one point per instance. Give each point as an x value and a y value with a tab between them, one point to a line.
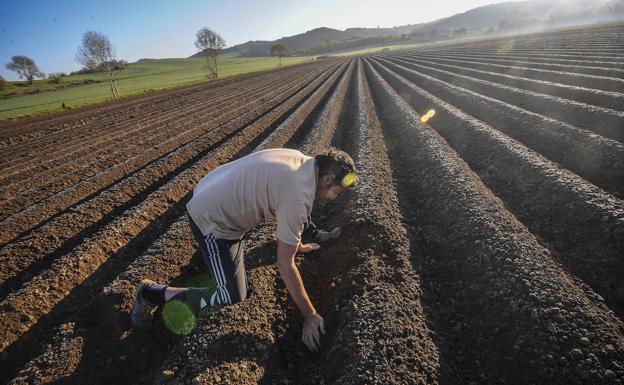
349	180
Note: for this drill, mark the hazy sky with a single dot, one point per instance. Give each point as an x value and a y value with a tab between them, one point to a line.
50	31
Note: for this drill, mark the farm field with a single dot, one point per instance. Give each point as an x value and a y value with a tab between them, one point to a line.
484	243
138	78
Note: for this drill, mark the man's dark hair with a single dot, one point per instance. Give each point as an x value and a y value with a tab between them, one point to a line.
334	161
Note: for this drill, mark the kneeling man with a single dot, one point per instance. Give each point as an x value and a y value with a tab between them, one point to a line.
276	184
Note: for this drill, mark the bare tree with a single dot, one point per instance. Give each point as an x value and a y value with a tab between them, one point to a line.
25	68
96	53
211	44
280	50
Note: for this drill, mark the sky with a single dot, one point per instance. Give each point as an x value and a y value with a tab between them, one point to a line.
49	32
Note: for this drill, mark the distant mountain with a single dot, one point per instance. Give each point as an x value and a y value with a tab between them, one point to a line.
555	12
514	16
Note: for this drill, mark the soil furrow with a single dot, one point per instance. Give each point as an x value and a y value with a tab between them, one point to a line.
71	137
586	85
534	53
606	68
97	335
328	108
182	129
287	129
568	68
185	102
571	50
551	201
322	131
498	291
113	131
47	148
504	49
611	100
535	57
593	157
603	121
108	144
29	128
596	83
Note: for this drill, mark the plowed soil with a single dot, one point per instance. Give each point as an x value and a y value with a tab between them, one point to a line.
483	245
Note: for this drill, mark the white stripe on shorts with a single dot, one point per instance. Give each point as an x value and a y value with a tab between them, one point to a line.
211	257
223	287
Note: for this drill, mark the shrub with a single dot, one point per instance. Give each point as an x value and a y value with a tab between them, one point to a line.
115	64
5	85
55	77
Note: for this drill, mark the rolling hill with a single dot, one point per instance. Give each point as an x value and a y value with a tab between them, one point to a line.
495	19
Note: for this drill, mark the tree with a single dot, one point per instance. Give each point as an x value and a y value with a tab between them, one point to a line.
211	43
95	53
25	68
280	50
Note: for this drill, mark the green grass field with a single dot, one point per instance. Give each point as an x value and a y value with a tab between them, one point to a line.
137	78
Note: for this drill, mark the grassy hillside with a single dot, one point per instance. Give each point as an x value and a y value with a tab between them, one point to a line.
139	77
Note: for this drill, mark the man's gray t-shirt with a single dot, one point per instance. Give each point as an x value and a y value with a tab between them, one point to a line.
276	184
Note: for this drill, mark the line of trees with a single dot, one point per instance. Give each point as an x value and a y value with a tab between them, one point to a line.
97	54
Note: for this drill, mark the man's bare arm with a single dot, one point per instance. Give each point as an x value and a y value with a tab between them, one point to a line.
290	274
313	323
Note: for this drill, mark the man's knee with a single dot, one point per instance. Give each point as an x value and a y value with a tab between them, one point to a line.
235	295
235	300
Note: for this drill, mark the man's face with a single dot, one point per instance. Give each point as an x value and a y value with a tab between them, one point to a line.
328	188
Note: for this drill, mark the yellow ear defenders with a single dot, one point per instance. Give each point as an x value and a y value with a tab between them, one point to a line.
349	180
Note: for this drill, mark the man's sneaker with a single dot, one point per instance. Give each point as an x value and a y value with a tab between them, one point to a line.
326	236
141	315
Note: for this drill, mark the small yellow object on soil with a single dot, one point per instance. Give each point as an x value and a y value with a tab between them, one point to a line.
424	118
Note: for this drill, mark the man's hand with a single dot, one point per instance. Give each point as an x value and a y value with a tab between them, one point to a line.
311	337
290	274
308	247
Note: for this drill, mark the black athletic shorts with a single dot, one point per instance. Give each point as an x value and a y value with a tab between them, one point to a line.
225	260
